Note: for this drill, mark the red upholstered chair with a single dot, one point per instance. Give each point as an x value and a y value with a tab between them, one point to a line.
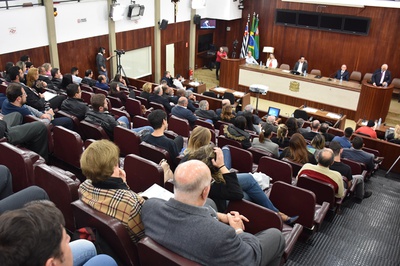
242	160
92	131
143	101
294	200
76	121
127	141
3	88
110	229
157	106
118	112
356	167
68	146
295	166
61	187
213	134
262	218
86	96
151	253
115	101
155	154
276	169
223	141
86	87
142	173
336	131
179	126
133	107
21	163
258	153
101	91
140	121
31	118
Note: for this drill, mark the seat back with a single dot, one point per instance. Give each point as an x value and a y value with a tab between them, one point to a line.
101	91
242	160
210	94
324	192
298	113
142	173
316	72
86	87
295	166
92	131
276	169
229	96
140	121
21	163
294	200
376	153
157	106
284	67
143	101
61	187
74	119
127	141
151	253
223	141
110	229
133	107
258	153
213	135
367	77
118	112
355	76
68	146
336	131
3	88
86	96
396	83
115	101
153	153
356	167
179	125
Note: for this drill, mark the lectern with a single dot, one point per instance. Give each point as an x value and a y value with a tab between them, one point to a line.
374	102
229	72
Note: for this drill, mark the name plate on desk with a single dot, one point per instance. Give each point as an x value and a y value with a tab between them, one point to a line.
294	86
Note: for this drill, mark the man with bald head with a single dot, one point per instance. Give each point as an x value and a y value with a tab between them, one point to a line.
342	74
180	110
187	226
382	77
315	125
325	159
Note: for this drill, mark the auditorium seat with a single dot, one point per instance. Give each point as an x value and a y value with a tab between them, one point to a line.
179	125
86	96
111	230
21	163
142	173
151	253
316	72
3	88
118	112
298	201
133	107
229	96
74	119
92	131
210	94
86	87
355	76
115	101
223	141
157	106
298	113
356	167
262	218
50	143
140	121
200	122
295	166
284	67
61	187
155	154
396	87
276	169
367	77
258	153
127	141
68	146
242	160
100	91
143	101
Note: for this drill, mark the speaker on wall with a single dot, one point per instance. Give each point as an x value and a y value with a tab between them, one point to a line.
163	24
196	19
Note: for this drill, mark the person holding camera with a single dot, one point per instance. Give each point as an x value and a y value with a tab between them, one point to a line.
101	62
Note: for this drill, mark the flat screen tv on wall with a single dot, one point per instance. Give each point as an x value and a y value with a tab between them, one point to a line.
206	23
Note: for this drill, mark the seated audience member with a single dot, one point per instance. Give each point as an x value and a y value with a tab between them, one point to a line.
345	170
281	136
395	136
227	242
356	153
224	102
12	201
120	80
178	94
16	102
316	145
105	188
291	124
250	59
315	125
342	74
325	160
35	235
56	78
102	83
324	131
368	130
74	105
115	91
156	97
158	120
28	65
297	151
345	139
301	65
180	110
264	141
45	78
66	80
33	81
205	112
250	125
75	78
178	82
6	76
167	91
191	100
300	124
168	78
47	68
146	93
100	116
382	77
31	135
249	109
227	114
88	79
271	62
237	132
273	122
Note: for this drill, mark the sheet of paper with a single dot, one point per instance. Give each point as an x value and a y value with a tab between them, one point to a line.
310	110
156	191
48	95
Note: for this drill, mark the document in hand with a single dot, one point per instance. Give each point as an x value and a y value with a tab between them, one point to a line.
48	95
156	191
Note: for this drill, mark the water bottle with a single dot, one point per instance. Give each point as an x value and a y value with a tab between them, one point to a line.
379	122
261	63
341	80
305	73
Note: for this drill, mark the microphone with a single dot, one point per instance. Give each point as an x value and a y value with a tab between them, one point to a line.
331	76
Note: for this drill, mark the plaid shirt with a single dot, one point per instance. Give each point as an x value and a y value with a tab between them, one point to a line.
122	204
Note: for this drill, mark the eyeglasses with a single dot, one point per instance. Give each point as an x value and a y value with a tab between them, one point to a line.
24	94
212	181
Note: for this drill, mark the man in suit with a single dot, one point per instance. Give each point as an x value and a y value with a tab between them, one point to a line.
215	238
382	77
315	125
44	77
158	98
181	111
301	65
342	74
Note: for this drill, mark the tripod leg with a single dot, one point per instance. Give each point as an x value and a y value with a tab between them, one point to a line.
392	165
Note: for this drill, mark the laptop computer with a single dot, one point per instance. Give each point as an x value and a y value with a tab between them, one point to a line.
274	111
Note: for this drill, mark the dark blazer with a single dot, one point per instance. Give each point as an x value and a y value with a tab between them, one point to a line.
184	113
305	66
376	77
159	99
345	76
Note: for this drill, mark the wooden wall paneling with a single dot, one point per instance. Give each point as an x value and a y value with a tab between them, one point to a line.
38	56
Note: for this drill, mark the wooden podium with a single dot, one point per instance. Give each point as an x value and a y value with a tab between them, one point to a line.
229	72
374	102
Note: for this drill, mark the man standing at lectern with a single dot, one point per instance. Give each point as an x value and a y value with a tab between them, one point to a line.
382	77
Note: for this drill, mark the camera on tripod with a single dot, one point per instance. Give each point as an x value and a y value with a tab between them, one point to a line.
119	52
